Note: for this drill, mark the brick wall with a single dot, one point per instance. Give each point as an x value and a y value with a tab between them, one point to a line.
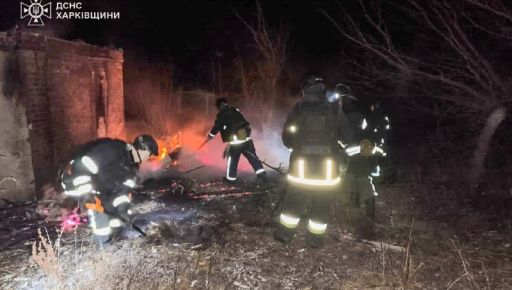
66	87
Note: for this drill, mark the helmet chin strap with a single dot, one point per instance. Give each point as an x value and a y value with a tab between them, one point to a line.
138	155
133	155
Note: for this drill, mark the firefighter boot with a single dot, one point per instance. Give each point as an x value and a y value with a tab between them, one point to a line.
228	181
314	241
262	178
284	234
262	181
101	241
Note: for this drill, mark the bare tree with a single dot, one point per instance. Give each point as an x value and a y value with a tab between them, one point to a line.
259	76
457	65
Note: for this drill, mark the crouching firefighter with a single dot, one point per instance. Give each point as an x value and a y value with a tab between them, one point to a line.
311	132
235	130
101	176
363	170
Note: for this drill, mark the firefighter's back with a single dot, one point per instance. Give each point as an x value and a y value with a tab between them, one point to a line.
313	159
106	160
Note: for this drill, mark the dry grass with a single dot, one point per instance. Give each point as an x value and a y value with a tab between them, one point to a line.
46	255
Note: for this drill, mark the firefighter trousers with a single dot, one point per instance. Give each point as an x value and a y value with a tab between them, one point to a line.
315	204
248	150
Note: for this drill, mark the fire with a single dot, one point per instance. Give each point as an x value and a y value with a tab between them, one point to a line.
164	153
168	145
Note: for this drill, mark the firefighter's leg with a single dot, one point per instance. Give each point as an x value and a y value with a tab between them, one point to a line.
289	217
369	202
100	225
350	199
232	162
319	217
365	228
388	169
250	153
121	206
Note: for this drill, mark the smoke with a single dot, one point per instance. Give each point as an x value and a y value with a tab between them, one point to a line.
192	134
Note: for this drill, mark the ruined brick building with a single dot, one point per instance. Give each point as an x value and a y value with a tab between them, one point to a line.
54	95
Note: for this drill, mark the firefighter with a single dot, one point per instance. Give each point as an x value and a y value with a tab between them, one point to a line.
101	176
377	124
363	170
377	127
352	109
236	131
311	132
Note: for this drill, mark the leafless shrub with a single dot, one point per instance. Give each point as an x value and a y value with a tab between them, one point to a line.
152	97
463	73
449	62
46	254
259	77
469	273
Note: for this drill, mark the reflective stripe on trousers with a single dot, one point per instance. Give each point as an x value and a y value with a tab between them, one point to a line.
316	228
289	221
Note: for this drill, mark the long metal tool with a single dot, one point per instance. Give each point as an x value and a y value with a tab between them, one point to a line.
133	226
201	146
265	163
194	169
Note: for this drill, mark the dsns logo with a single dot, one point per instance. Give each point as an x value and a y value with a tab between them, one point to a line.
36	11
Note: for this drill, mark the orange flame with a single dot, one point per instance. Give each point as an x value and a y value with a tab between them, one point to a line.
163	154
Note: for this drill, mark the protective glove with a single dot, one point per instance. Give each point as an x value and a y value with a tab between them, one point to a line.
126	218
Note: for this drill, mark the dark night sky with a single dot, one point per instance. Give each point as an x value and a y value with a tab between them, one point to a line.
190	31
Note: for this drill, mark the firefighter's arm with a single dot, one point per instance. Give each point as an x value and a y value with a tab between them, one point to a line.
378	151
216	128
345	131
290	128
387	124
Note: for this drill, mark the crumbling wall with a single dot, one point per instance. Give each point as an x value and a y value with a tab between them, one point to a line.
68	93
86	95
16	172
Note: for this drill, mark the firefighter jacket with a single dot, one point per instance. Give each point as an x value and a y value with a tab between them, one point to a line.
364	159
357	123
232	125
312	132
377	127
102	170
363	168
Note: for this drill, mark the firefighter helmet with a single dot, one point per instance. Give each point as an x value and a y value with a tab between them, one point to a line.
315	82
313	88
220	102
146	142
342	90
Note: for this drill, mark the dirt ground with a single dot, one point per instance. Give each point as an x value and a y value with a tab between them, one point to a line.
220	237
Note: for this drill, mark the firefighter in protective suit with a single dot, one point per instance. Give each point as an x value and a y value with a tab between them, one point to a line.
235	130
363	170
101	175
311	132
377	128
